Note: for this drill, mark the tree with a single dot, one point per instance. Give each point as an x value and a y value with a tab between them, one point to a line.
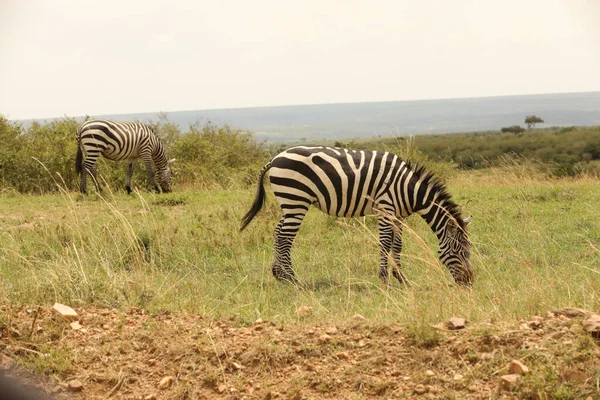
516	129
531	120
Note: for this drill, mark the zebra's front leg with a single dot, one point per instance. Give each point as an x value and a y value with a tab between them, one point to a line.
396	250
129	175
150	171
285	232
386	237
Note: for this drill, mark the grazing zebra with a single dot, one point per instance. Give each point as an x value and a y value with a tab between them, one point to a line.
350	183
122	141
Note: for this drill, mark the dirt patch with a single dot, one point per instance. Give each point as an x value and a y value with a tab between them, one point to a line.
135	355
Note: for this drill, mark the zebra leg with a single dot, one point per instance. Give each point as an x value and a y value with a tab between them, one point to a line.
129	175
396	250
83	180
150	171
285	232
89	167
386	237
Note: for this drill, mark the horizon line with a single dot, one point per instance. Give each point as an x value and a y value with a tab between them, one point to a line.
312	105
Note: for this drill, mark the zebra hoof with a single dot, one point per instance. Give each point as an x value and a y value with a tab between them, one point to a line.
128	188
285	278
398	275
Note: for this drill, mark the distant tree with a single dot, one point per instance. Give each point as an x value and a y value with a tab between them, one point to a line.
516	129
531	120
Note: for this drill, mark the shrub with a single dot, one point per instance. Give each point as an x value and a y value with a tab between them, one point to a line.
40	158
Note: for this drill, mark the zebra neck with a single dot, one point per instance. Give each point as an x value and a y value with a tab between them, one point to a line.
435	209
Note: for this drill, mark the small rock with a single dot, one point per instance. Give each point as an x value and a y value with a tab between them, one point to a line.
358	317
64	311
75	325
75	386
259	321
431	389
324	338
574	375
331	330
572	312
361	343
456	323
517	367
457	377
535	324
420	389
592	325
6	362
56	389
509	381
303	311
429	373
237	366
152	396
165	382
221	388
343	355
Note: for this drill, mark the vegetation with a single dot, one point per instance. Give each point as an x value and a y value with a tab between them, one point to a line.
516	129
531	120
557	152
535	237
40	158
183	251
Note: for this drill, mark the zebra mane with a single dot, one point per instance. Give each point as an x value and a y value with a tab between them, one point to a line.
429	179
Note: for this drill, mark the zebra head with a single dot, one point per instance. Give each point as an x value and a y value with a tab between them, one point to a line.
455	251
164	177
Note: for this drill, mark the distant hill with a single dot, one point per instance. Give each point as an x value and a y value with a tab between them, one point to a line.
359	120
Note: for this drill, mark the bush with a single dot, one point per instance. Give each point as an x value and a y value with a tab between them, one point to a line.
212	155
41	158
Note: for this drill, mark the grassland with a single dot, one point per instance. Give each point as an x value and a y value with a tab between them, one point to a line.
535	247
144	269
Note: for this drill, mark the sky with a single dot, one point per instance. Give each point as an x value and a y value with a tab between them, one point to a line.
74	58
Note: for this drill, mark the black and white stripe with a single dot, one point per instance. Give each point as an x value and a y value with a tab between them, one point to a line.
122	141
350	183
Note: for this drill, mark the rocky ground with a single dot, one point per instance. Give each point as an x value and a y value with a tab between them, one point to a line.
103	353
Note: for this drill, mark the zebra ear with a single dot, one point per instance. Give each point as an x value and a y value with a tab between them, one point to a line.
468	220
172	160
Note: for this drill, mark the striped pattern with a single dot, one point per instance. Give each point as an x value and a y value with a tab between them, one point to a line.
350	183
122	141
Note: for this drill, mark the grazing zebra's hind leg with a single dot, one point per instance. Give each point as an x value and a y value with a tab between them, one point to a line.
285	232
88	168
129	175
396	250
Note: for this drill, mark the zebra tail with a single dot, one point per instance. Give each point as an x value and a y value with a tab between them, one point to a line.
78	160
259	199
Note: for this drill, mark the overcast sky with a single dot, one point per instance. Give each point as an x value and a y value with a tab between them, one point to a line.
77	57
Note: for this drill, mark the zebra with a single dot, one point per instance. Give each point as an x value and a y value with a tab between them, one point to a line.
350	183
122	141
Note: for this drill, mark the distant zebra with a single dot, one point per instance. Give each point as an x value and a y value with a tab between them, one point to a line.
350	183
122	141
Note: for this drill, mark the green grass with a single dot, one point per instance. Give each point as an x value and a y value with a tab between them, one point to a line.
536	247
